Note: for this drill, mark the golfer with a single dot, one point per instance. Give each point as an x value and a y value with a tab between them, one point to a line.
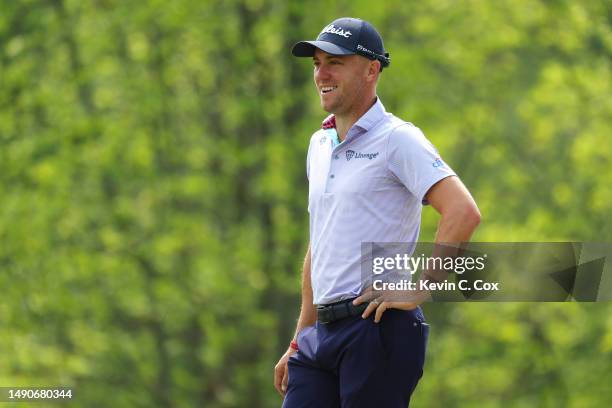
369	173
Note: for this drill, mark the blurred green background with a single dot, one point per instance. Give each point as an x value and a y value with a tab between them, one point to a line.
153	192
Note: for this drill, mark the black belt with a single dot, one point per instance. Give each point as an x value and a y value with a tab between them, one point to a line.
339	310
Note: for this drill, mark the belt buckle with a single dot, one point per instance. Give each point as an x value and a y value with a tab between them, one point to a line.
325	314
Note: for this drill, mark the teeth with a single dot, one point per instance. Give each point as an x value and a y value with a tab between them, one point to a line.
325	89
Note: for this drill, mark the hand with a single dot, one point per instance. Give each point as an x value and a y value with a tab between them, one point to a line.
281	372
381	301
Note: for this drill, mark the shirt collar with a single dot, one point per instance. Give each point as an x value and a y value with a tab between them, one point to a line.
372	116
365	122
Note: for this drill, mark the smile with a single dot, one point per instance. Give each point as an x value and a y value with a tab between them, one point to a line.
328	89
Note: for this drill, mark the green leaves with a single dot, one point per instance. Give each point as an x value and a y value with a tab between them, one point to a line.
153	192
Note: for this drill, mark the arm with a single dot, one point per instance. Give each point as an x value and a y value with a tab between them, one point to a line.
308	316
459	218
308	313
459	213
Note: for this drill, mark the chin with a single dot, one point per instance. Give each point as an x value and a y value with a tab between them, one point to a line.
329	108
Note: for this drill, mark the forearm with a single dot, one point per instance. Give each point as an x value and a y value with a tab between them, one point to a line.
458	225
455	228
307	318
308	313
459	217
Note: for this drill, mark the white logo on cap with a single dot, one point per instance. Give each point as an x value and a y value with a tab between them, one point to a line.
362	48
336	30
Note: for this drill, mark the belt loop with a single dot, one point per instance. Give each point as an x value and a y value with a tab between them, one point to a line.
333	314
348	308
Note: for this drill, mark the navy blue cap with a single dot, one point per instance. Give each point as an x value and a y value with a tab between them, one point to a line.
346	36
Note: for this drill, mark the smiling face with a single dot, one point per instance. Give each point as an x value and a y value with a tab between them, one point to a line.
344	82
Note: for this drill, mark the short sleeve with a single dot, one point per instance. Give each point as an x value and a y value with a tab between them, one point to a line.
415	161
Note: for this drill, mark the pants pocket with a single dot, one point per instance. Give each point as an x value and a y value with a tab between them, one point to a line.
400	331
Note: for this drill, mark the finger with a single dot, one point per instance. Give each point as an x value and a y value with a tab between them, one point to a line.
402	305
371	307
365	296
380	310
278	377
285	381
359	300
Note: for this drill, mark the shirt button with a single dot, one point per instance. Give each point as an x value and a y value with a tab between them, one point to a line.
332	176
336	157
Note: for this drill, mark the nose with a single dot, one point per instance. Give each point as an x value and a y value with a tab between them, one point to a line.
321	73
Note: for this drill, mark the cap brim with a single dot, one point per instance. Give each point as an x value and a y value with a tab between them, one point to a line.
307	48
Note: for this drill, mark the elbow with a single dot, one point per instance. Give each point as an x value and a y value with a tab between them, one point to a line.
471	215
465	214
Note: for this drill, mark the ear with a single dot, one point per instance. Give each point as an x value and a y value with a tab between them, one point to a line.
373	70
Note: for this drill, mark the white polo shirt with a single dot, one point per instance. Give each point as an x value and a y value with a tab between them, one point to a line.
369	188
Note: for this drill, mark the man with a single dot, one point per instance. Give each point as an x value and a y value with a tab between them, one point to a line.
369	175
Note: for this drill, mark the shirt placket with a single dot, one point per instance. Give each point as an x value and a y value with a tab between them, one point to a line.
336	165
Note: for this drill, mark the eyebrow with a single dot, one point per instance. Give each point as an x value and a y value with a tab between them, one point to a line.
327	57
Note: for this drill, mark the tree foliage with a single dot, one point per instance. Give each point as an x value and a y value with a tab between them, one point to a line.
153	193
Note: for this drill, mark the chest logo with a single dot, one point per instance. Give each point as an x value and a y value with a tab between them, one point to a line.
351	154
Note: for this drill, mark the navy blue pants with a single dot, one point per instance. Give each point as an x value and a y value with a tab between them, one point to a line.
356	363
